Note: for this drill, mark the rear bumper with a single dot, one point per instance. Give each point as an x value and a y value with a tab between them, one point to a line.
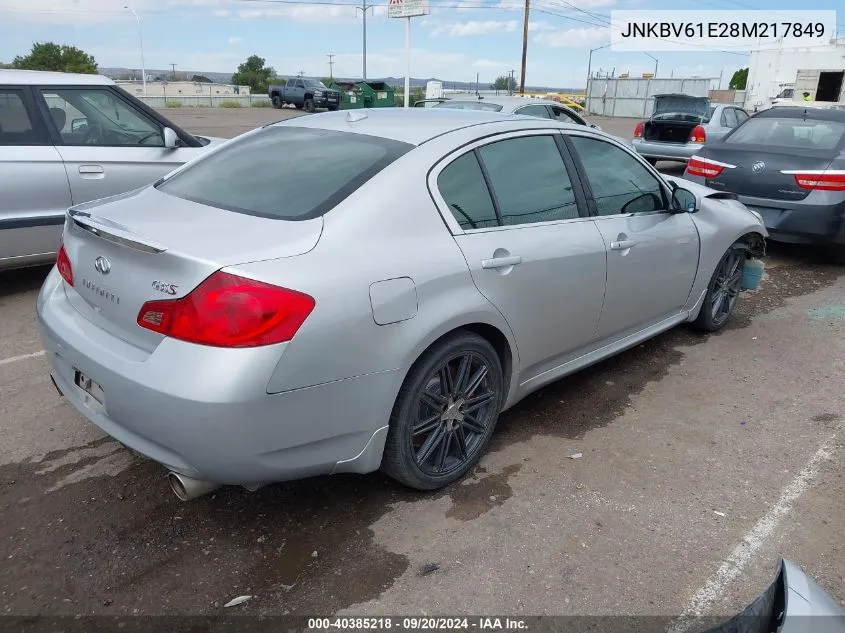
800	223
666	151
213	419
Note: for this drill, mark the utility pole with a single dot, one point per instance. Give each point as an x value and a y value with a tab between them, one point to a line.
524	47
363	10
331	63
173	66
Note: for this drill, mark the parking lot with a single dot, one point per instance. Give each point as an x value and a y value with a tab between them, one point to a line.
703	460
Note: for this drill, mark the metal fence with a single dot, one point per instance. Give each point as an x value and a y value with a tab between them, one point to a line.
624	97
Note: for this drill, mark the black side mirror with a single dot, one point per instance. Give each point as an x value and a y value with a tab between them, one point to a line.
683	200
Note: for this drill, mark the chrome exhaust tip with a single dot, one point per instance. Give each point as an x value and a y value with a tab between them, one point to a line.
186	488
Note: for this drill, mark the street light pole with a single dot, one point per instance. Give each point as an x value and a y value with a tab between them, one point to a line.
589	76
141	39
655	63
363	10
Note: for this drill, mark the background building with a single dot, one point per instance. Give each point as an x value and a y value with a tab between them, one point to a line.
770	72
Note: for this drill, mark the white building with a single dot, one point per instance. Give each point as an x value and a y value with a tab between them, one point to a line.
176	89
771	71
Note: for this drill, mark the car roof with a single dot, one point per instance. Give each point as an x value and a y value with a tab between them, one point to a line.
800	112
411	125
32	77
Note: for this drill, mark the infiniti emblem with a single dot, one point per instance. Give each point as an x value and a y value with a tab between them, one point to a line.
758	166
102	265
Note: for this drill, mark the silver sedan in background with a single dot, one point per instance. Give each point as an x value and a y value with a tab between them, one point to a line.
680	125
369	289
526	106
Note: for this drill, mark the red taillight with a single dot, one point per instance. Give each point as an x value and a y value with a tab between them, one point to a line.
638	130
229	311
705	167
824	181
698	135
63	265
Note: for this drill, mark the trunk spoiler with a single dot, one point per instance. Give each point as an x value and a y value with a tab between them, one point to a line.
111	231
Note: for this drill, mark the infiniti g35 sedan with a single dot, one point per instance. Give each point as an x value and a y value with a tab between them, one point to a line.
275	310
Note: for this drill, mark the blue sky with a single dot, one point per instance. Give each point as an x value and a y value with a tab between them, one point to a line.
458	39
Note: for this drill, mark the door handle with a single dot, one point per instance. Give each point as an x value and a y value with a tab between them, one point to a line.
501	262
90	169
622	245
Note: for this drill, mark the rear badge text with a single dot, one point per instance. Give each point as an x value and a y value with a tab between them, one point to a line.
100	291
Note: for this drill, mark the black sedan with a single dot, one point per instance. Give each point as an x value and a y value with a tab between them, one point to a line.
788	165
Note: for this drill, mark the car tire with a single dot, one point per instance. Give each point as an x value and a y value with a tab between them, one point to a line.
435	439
724	288
277	102
309	105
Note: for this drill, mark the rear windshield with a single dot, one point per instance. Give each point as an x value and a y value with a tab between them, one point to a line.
787	132
470	105
285	173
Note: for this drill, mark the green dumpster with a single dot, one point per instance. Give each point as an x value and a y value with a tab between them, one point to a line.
377	94
350	95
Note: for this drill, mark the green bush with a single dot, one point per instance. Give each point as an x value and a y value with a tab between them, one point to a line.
230	104
264	103
173	104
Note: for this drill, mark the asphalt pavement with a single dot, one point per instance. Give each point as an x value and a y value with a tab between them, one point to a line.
703	460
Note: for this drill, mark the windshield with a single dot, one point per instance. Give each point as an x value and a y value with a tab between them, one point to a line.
787	132
284	172
313	83
681	104
470	105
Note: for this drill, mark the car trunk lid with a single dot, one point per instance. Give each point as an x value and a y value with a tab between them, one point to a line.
148	245
680	107
759	171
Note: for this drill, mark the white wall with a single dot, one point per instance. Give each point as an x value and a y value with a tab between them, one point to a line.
768	68
176	89
634	97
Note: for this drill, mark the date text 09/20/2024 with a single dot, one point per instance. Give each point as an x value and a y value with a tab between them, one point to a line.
417	624
727	30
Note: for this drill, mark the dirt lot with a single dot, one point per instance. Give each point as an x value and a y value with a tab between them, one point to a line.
705	458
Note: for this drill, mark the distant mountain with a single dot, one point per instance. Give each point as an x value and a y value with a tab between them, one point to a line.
224	78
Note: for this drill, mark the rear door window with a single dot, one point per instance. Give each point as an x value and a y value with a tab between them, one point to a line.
285	172
16	124
463	188
741	116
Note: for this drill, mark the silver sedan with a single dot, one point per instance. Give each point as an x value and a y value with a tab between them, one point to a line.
526	106
369	289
